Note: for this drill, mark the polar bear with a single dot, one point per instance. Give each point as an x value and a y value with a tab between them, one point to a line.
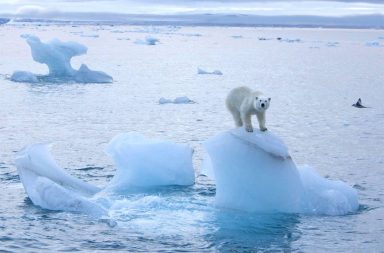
242	102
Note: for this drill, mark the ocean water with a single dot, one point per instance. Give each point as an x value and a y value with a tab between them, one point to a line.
312	75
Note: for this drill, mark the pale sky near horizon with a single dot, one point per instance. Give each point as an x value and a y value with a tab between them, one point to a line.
257	7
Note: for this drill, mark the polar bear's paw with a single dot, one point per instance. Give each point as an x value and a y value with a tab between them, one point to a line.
263	129
249	129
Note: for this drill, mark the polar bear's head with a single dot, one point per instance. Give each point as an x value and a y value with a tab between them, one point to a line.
261	103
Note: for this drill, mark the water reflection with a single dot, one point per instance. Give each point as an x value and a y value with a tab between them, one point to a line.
245	232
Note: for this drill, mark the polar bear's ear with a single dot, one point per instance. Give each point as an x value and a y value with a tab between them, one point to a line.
269	99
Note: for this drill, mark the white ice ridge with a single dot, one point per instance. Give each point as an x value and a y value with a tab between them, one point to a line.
254	172
57	56
144	162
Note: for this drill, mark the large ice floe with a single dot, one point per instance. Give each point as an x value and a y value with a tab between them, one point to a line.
141	164
255	172
57	56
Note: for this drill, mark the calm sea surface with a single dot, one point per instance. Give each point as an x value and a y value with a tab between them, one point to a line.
312	75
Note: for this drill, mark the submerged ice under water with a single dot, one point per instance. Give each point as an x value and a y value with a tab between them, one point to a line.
311	112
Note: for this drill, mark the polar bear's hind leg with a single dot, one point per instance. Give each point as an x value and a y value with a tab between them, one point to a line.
237	119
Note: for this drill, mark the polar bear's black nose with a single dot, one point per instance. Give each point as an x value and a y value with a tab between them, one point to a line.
262	105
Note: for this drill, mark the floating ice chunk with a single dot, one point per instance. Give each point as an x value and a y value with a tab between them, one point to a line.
143	162
254	172
24	77
90	35
183	100
373	43
332	44
85	75
57	56
51	187
178	100
151	41
290	40
165	101
204	72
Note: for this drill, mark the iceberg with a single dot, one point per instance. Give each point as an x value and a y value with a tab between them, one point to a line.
204	72
142	162
255	172
57	56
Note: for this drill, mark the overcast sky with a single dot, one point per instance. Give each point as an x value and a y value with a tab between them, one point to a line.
35	8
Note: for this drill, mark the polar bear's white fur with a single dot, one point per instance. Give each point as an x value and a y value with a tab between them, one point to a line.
242	102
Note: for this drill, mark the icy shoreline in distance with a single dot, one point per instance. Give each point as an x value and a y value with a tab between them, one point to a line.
57	56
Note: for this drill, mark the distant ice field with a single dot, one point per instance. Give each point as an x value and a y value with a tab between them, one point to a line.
312	75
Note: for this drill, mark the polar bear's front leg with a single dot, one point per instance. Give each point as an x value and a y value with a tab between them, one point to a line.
247	122
261	119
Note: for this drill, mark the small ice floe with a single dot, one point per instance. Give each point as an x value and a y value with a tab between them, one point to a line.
178	100
373	43
204	72
289	40
24	77
117	31
90	35
57	56
263	38
151	41
333	44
